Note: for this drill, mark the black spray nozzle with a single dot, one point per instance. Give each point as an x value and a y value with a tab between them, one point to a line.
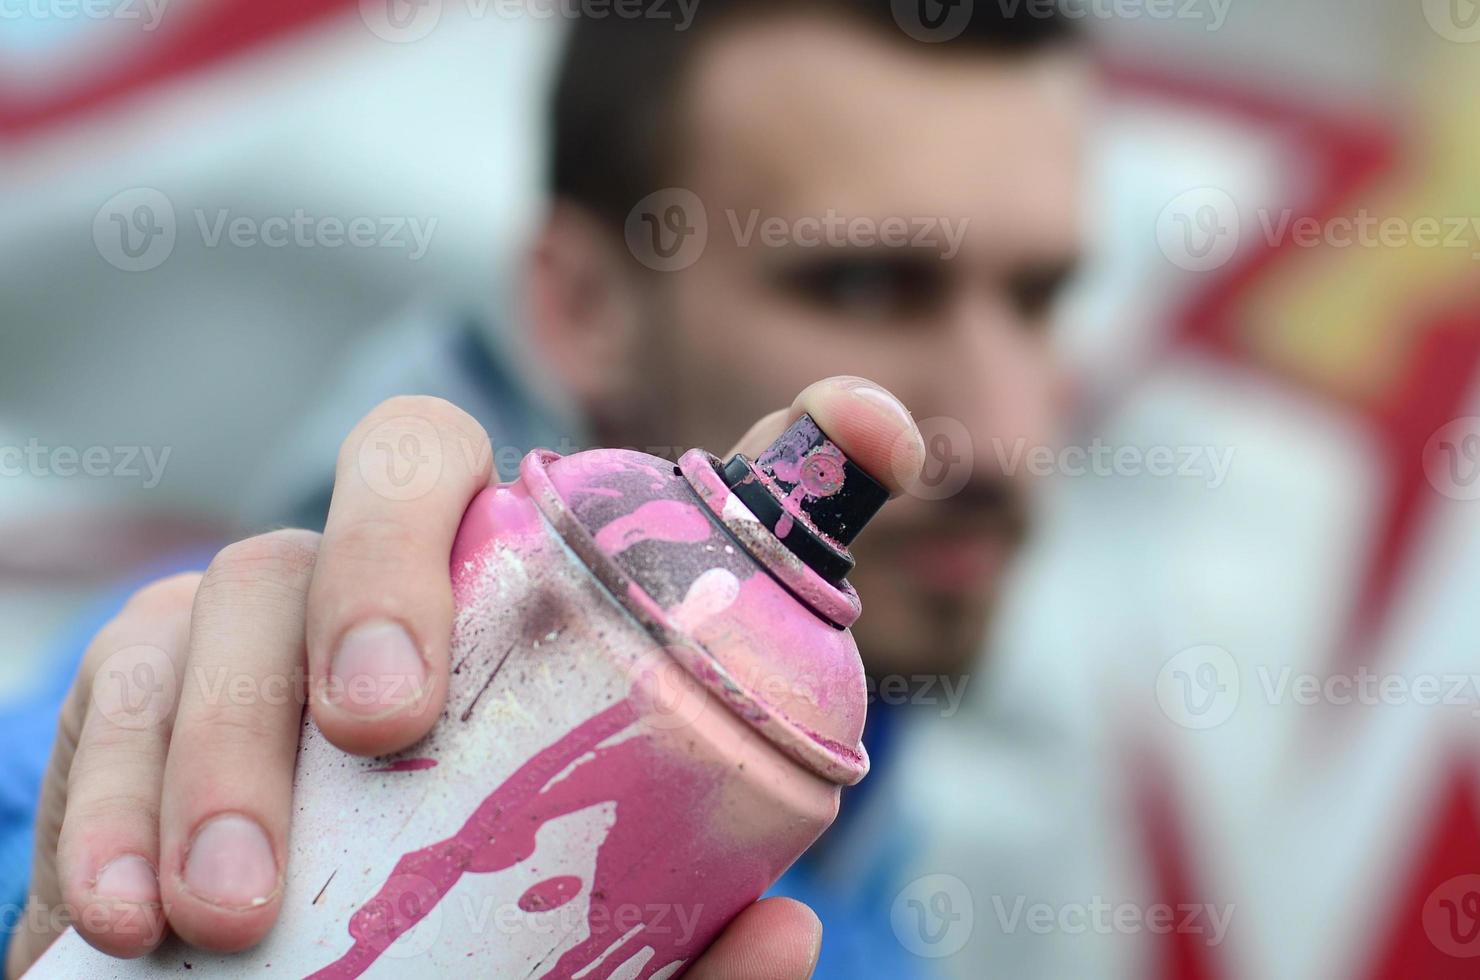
810	495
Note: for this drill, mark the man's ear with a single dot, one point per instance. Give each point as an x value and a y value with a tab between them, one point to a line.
583	306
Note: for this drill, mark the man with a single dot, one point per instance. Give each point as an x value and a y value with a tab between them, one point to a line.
883	198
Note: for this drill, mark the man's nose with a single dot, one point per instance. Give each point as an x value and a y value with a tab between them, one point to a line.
987	375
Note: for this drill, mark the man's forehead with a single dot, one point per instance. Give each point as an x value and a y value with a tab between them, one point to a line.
797	116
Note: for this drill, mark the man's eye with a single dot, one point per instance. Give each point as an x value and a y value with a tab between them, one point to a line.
1034	292
874	288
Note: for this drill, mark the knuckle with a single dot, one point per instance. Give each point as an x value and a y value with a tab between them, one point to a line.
438	411
112	809
463	437
275	558
166	596
142	615
161	600
109	747
221	732
69	728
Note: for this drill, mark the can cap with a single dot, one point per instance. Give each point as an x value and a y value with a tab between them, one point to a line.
810	495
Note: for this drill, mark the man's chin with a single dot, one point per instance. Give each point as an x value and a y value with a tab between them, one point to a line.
967	569
948	644
928	600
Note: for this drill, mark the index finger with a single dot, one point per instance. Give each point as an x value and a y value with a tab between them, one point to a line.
774	939
380	605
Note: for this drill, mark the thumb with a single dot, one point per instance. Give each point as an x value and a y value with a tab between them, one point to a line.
866	422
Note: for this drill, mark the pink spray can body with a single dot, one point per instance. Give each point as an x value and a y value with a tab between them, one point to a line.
653	706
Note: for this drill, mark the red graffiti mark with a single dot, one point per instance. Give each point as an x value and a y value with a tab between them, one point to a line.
408	765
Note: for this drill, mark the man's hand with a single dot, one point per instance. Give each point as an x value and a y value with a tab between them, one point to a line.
167	808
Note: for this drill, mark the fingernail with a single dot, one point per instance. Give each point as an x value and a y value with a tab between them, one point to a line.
816	955
879	396
231	863
377	670
892	434
130	879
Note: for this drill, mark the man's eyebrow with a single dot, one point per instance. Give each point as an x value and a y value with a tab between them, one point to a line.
1054	271
799	263
793	255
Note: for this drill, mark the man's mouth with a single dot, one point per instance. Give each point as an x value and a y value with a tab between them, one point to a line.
969	563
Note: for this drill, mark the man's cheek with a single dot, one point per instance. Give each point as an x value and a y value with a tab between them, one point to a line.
889	627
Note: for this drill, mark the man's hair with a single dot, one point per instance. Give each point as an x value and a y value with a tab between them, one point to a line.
617	90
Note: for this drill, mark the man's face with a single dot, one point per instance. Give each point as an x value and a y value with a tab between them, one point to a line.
797	119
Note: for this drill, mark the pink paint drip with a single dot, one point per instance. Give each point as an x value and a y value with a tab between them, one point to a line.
656	520
791	508
638	865
550	893
407	765
813	474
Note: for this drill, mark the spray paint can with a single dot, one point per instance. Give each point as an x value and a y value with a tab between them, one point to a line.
655	701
